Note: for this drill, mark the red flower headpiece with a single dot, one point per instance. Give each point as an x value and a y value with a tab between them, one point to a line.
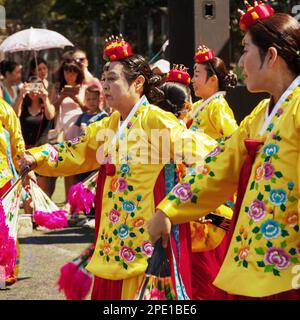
179	74
116	48
259	11
203	54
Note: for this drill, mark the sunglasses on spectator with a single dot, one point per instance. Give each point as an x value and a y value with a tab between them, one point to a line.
80	59
70	69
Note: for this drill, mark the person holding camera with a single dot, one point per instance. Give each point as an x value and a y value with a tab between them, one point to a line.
36	113
69	104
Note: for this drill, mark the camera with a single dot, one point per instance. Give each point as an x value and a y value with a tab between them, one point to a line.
71	90
34	86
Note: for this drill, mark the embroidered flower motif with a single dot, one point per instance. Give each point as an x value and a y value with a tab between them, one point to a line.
5	173
125	168
280	111
128	206
114	185
74	140
259	173
138	222
215	152
269	170
243	253
123	231
291	185
203	169
138	197
53	153
122	185
270	149
291	219
114	216
270	229
183	192
278	257
257	210
277	196
106	249
127	254
155	294
147	248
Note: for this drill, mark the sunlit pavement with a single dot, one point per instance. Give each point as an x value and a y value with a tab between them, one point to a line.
42	255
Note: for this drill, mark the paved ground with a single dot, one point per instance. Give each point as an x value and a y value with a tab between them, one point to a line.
42	255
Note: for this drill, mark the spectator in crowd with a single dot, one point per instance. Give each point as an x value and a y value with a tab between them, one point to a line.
42	70
68	102
81	57
92	114
92	105
89	80
36	114
9	89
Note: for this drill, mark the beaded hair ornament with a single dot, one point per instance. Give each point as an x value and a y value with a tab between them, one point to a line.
203	54
259	11
179	74
116	48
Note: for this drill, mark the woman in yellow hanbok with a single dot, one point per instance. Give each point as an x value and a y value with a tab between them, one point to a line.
211	81
11	147
131	178
261	159
212	115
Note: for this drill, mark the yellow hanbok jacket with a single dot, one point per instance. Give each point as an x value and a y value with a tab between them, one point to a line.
123	245
216	119
10	123
264	251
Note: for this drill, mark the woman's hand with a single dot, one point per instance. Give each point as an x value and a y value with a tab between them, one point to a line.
203	220
77	99
27	161
23	90
159	227
43	93
25	182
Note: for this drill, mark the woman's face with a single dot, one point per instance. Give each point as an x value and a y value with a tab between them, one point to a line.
42	71
81	57
34	96
15	75
70	76
253	69
199	80
117	91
